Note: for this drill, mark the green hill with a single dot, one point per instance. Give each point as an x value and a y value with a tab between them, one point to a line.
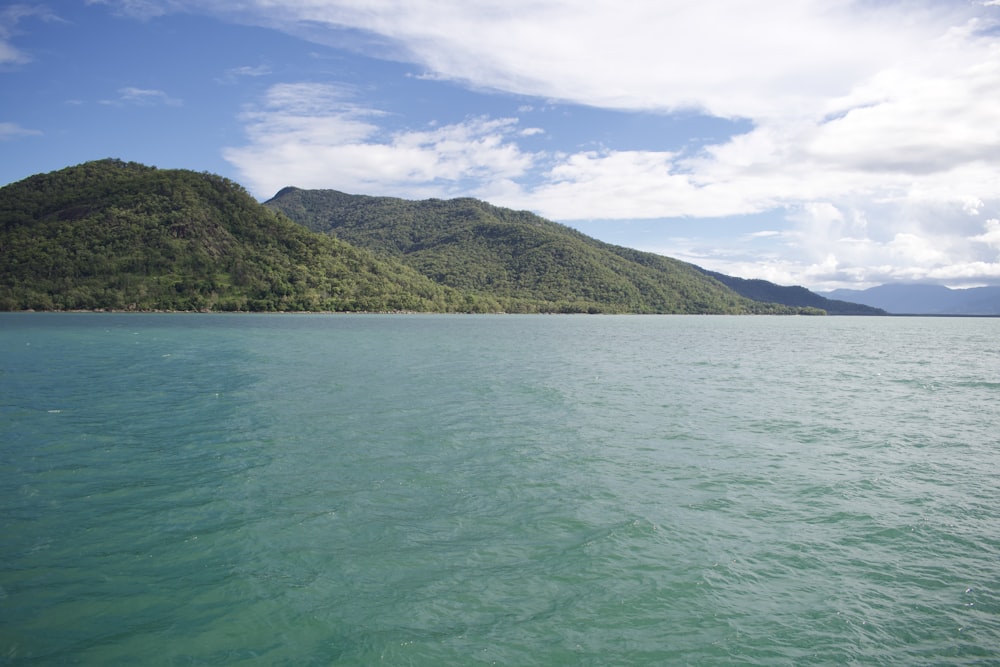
116	235
523	261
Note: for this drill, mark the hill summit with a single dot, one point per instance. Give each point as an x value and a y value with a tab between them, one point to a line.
119	235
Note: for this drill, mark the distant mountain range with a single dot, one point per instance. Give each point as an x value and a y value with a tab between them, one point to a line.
119	235
762	290
921	299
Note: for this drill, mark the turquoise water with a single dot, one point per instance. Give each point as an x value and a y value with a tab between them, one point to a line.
459	490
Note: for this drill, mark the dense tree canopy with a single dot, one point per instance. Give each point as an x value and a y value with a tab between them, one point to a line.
516	257
110	234
119	235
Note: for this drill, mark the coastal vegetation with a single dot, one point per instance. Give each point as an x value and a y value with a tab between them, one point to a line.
119	235
515	256
116	235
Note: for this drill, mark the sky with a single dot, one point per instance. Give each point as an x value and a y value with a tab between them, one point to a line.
806	142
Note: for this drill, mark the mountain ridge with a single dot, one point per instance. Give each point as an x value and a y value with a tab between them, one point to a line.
925	299
472	245
117	235
758	289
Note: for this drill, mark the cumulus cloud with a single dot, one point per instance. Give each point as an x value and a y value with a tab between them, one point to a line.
313	135
990	235
829	247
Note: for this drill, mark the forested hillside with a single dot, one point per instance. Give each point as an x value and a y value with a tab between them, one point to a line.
124	236
515	256
110	234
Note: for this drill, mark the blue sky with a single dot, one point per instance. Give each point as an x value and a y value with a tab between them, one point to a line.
826	144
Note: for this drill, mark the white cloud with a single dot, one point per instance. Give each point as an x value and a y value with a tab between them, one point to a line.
729	58
312	135
973	206
632	185
845	97
235	74
143	97
875	124
991	235
14	131
10	54
143	9
830	247
11	17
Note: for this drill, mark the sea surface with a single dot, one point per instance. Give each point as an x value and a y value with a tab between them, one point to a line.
512	490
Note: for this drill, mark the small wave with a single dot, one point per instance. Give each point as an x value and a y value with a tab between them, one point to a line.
979	384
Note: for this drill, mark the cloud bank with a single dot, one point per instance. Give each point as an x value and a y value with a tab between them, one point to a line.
874	124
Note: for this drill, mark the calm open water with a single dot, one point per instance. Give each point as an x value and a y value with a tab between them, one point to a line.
513	490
